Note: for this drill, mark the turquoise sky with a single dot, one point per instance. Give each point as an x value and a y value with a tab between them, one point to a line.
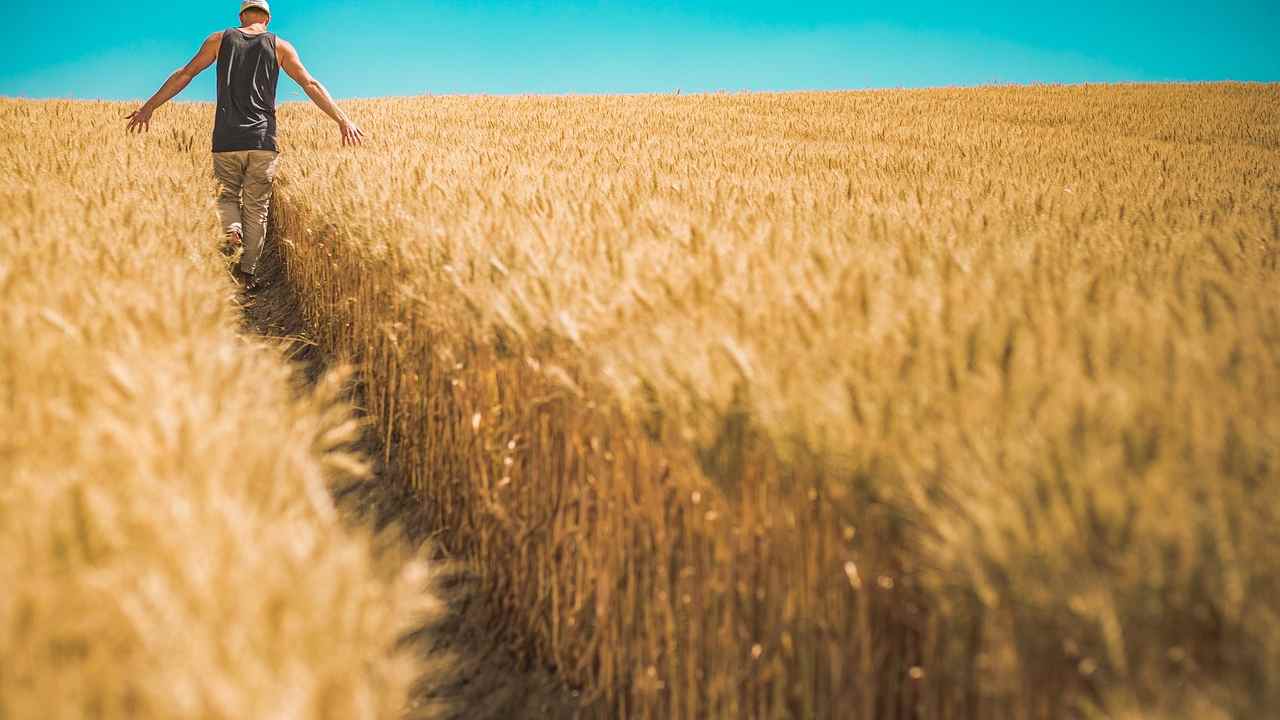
371	48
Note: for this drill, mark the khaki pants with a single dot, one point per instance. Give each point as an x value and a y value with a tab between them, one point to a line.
245	196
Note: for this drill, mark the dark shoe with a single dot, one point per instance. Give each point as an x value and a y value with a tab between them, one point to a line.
248	280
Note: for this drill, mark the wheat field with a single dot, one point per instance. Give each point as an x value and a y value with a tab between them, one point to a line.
929	404
168	544
949	403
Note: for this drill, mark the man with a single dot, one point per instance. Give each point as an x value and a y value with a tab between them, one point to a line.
244	127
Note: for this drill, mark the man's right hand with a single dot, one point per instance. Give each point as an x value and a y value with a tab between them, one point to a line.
139	120
351	135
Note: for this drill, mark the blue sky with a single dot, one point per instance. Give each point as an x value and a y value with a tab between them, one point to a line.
371	47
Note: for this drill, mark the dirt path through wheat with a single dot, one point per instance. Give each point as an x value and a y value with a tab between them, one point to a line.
468	672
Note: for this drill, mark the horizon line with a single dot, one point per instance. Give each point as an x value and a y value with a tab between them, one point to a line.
697	92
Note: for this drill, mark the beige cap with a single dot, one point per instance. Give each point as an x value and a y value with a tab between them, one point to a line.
255	4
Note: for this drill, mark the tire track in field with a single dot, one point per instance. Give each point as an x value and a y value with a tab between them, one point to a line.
468	671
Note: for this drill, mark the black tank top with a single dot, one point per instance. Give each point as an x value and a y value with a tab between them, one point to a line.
247	77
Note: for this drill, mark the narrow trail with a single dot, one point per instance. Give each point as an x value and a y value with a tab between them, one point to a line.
468	672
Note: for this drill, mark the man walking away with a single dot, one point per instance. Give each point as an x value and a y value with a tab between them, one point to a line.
244	127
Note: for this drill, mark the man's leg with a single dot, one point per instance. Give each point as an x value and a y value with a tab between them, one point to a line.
229	168
258	178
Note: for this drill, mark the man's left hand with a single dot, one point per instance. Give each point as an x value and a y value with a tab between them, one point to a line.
139	120
351	134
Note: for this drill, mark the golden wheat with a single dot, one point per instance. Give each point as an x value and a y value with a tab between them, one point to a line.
168	546
951	403
946	403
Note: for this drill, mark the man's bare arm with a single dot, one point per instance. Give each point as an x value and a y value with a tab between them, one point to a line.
140	119
292	65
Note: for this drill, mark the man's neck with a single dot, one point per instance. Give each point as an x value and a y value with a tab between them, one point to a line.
255	27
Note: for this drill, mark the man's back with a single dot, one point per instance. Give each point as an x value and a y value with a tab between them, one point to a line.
249	63
248	72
